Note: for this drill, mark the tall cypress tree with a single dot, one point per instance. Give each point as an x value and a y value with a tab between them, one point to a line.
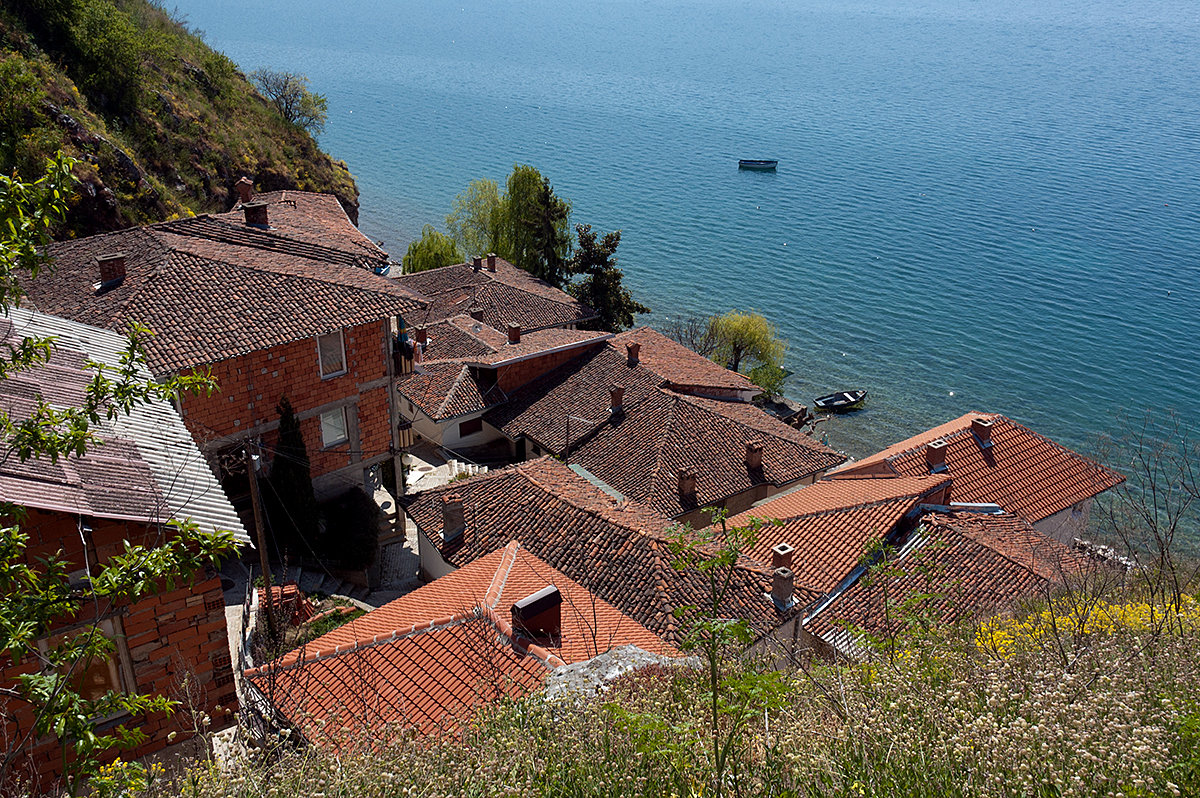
291	502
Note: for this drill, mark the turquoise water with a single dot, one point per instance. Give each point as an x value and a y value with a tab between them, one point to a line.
979	205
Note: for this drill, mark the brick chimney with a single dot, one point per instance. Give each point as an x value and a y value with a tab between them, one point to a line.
632	351
245	189
935	456
687	484
476	313
514	333
477	263
538	616
422	335
453	518
616	399
754	454
781	556
783	585
982	427
112	269
256	214
491	261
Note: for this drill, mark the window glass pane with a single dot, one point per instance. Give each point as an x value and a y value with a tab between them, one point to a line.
333	359
333	426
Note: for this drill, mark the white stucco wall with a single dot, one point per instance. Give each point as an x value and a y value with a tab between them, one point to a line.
1066	525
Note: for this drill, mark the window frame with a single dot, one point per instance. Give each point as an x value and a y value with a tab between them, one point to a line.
471	421
327	444
340	333
119	662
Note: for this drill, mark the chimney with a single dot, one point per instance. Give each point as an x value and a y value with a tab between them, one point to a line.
754	452
491	261
514	333
477	263
982	427
422	335
632	350
616	398
782	587
538	616
112	269
256	214
935	456
687	485
245	189
476	313
781	556
453	518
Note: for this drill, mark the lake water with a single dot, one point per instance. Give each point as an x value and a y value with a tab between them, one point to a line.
979	205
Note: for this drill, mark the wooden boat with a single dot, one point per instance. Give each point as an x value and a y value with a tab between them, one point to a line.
840	401
762	166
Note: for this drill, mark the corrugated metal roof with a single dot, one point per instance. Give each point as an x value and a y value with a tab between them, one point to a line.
145	466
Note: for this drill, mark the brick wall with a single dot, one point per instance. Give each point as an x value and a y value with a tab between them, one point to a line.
250	387
514	376
173	638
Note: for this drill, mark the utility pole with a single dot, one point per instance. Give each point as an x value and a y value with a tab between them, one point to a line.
252	466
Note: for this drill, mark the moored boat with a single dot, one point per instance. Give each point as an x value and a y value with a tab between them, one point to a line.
840	401
762	166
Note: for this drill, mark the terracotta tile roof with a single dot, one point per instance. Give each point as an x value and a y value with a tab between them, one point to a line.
448	340
639	451
464	339
1021	471
199	283
542	342
446	390
143	465
433	656
954	566
831	522
616	548
680	368
507	296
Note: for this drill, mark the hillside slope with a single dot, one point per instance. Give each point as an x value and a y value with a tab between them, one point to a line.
162	125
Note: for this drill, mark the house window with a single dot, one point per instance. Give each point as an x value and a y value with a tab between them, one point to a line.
95	677
333	427
332	354
470	427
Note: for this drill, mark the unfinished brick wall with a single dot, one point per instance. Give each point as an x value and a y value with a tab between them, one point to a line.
517	374
251	386
170	637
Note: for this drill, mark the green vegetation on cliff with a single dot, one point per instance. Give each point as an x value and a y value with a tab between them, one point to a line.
162	125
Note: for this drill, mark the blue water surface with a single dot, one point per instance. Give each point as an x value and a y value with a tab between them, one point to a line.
979	205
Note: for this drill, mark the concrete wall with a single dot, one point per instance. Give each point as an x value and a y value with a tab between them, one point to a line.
167	636
1066	525
433	565
446	434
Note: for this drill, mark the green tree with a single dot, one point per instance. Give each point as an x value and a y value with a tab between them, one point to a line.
600	285
474	219
37	595
292	505
432	250
746	336
289	93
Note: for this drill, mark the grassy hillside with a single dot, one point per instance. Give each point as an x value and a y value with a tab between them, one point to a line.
162	124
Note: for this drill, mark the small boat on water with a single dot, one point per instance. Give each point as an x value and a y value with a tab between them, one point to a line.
762	166
841	401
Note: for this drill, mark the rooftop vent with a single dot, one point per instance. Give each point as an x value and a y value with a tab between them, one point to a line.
538	616
633	351
781	555
112	270
982	427
453	518
245	189
256	214
935	456
783	587
491	261
514	333
687	485
754	455
616	399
